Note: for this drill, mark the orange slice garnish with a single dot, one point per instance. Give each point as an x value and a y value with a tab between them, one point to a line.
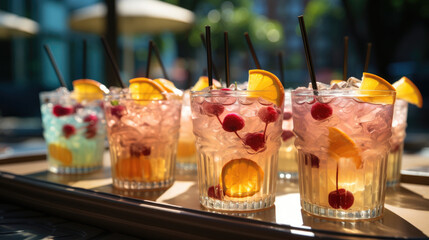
374	82
60	153
272	88
241	178
146	89
134	169
342	146
408	91
168	86
203	82
88	89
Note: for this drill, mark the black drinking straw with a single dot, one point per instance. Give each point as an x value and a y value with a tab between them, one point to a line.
112	61
282	75
307	52
84	59
252	50
149	56
345	60
226	43
216	73
209	56
54	64
158	55
368	55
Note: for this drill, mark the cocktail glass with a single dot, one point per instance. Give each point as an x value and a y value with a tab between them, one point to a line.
74	131
143	138
343	141
238	135
399	125
288	155
186	152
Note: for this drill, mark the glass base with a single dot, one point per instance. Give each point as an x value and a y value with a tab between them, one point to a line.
339	214
394	163
133	185
238	206
287	175
74	170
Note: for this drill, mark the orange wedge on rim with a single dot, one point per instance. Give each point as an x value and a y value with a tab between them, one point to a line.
168	86
88	89
374	82
342	146
241	178
146	89
408	91
203	82
272	88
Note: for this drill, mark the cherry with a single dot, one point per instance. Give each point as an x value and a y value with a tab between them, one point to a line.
286	134
215	192
59	110
255	140
287	115
268	114
92	119
138	149
213	108
118	111
91	131
314	160
341	199
68	130
232	122
321	111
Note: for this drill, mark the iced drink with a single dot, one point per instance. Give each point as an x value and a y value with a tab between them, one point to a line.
288	155
343	142
143	129
74	131
186	151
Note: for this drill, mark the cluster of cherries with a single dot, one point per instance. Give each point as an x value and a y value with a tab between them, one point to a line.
70	130
339	198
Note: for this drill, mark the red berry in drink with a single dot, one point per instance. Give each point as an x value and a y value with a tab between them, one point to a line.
138	149
255	140
287	115
341	199
92	119
215	192
76	107
232	122
286	134
68	130
314	161
268	114
59	110
91	131
118	111
321	111
211	109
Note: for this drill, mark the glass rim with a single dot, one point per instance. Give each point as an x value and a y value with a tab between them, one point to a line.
343	92
221	93
128	96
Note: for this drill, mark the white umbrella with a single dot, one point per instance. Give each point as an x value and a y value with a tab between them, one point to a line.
134	16
12	25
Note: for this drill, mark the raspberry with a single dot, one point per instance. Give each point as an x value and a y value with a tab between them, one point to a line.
215	192
118	111
321	111
92	119
232	122
341	199
69	130
59	110
268	114
138	149
287	115
286	134
255	140
215	109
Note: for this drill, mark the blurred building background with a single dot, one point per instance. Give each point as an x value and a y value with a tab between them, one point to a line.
398	30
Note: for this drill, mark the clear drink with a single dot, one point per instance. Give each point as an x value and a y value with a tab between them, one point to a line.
342	142
288	155
143	140
238	136
399	125
74	132
186	151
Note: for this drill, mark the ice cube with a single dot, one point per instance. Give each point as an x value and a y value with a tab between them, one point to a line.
353	82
